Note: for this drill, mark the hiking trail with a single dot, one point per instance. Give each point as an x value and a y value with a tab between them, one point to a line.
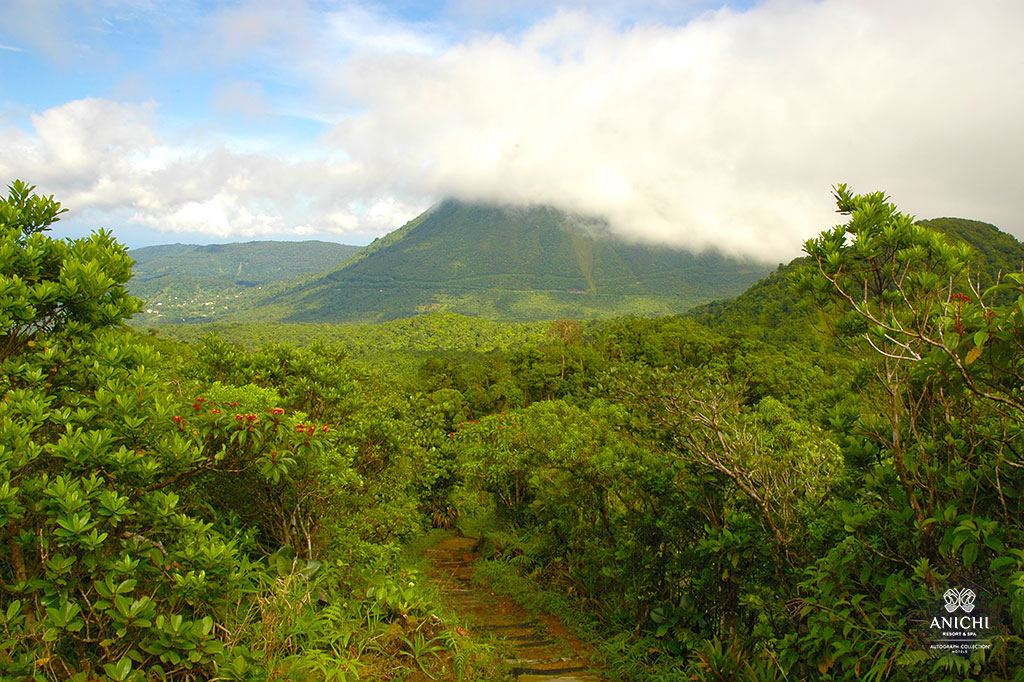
538	648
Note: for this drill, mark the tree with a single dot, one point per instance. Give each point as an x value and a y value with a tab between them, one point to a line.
101	574
944	418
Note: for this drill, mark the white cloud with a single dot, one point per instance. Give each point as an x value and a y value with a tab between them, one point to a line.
354	27
104	158
725	132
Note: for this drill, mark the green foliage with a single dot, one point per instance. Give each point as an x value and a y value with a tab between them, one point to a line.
940	502
750	502
101	570
643	531
769	310
49	286
25	213
428	333
772	310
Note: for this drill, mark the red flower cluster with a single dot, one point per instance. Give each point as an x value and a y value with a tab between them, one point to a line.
276	410
960	298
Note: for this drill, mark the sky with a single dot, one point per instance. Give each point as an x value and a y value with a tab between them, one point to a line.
695	124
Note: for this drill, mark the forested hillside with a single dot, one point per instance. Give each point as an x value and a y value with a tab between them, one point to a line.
773	310
511	264
696	503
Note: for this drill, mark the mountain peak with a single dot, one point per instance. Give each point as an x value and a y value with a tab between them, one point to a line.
513	263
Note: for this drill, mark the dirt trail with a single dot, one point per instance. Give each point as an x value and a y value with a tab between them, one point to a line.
539	648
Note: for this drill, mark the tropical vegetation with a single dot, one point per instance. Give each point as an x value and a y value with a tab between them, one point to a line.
780	488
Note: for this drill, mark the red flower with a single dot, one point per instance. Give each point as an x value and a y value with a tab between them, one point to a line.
234	404
214	411
177	419
250	417
276	410
238	417
195	406
325	428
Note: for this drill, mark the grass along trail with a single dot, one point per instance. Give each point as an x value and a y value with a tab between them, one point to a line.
536	648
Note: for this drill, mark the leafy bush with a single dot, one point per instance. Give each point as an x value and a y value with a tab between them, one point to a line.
102	574
108	568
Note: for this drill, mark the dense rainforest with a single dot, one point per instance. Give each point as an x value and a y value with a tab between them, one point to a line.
789	488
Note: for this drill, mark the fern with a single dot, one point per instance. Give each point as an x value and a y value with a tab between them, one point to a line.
460	659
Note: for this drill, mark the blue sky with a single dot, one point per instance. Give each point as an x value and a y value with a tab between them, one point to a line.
692	124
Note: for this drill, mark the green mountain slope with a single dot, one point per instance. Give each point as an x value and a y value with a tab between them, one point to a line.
772	311
998	252
510	264
186	282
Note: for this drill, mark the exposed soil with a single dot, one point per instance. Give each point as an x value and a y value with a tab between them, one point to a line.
536	648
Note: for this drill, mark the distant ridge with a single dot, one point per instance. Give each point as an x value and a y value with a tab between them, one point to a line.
248	262
192	283
510	264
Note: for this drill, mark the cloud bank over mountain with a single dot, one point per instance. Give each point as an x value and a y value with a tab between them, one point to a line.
722	131
726	132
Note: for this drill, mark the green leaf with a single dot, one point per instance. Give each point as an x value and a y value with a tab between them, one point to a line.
119	671
13	609
970	554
